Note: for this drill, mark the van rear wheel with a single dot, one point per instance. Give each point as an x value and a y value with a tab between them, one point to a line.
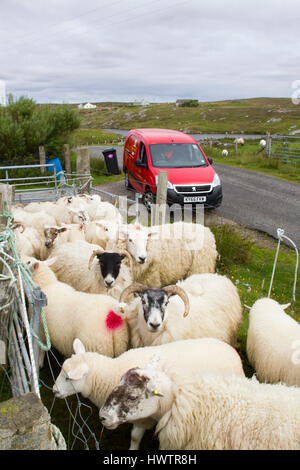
148	199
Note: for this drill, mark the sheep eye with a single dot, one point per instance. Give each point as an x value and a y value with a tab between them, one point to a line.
130	240
131	398
106	229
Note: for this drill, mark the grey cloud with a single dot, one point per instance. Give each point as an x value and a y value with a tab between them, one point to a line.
214	50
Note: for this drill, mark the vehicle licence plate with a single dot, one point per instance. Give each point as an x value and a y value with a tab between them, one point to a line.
194	199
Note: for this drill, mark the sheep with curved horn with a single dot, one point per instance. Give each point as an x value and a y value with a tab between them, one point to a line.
159	316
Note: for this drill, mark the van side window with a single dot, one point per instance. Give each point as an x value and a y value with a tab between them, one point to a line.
142	153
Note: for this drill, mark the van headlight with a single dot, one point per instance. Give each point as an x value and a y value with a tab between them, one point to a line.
169	185
216	181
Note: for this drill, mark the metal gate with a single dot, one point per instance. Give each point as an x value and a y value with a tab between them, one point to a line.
42	187
285	148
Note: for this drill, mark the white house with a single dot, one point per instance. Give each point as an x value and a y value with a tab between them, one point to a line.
89	106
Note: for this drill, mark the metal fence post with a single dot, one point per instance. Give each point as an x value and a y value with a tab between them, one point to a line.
268	145
39	300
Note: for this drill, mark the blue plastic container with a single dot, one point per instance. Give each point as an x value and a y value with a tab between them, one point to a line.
55	161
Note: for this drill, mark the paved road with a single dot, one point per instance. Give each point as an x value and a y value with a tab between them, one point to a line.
257	201
260	202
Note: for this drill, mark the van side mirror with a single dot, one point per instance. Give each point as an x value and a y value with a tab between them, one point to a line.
140	164
210	160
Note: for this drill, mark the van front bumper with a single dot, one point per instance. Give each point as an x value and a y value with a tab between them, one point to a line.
213	198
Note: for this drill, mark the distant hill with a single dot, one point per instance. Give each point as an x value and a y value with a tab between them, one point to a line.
253	116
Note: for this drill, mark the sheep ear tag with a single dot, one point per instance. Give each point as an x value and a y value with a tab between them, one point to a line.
113	321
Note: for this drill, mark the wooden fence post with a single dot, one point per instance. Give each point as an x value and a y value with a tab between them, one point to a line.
6	200
83	164
7	196
161	198
236	147
67	158
42	154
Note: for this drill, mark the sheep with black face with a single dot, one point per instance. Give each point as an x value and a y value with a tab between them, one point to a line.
87	268
156	315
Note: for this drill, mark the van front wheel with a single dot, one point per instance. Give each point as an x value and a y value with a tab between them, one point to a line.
148	199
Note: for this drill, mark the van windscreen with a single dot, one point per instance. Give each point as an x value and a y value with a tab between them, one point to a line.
176	155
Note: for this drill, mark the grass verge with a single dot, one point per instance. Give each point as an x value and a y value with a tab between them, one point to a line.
249	265
85	136
247	158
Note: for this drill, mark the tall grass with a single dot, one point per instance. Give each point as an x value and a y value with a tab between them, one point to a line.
249	265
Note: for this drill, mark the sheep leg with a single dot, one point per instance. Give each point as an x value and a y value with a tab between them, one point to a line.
41	358
137	433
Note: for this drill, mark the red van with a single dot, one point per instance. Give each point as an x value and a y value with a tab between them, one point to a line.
191	178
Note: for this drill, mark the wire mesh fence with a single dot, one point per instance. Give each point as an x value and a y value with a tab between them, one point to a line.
285	148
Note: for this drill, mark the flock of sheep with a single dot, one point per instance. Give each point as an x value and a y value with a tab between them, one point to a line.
241	141
149	329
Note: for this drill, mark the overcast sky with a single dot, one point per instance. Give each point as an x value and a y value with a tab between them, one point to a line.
122	50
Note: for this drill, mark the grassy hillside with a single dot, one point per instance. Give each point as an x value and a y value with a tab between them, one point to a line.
254	116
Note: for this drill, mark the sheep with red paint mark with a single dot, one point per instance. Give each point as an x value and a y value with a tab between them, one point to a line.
71	314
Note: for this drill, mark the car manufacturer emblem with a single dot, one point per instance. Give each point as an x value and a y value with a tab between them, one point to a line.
194	188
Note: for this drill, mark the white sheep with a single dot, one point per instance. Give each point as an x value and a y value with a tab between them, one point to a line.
28	240
53	236
239	140
60	213
100	232
273	343
164	254
37	220
80	201
93	205
262	143
210	301
94	375
224	153
71	314
80	265
98	209
207	411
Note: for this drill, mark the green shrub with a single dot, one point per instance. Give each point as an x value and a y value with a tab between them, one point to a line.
190	104
25	125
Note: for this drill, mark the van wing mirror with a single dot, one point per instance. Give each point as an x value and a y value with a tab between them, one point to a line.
210	160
